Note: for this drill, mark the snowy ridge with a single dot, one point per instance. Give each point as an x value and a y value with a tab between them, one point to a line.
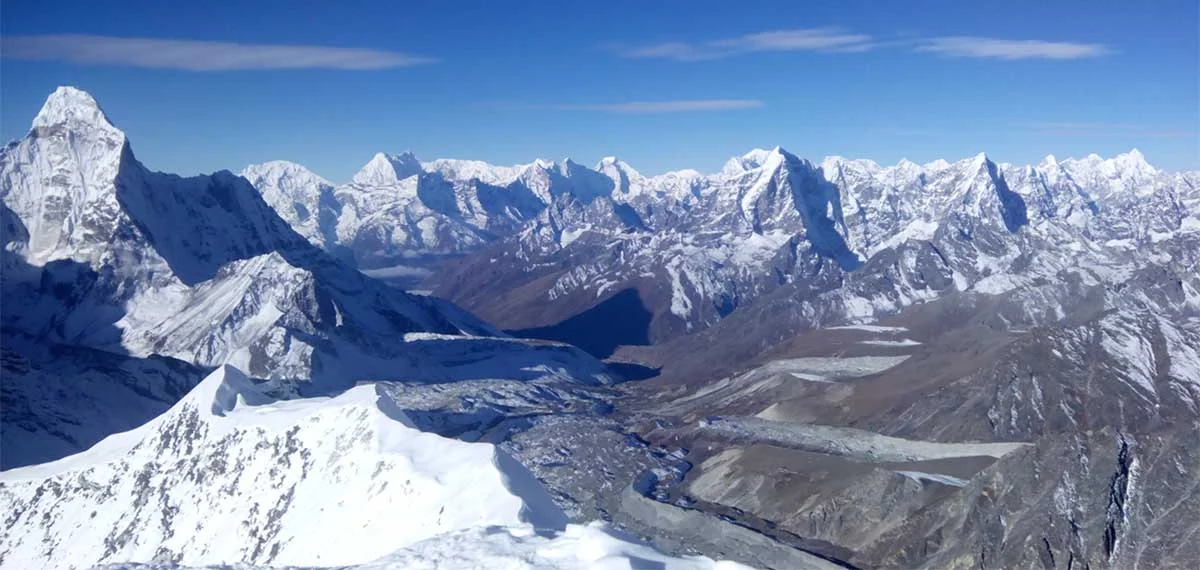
102	253
328	481
300	197
542	207
198	268
868	239
520	548
338	481
386	169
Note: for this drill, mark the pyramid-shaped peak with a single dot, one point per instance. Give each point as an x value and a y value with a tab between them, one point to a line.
936	165
71	106
756	158
614	164
1135	159
761	155
384	169
281	170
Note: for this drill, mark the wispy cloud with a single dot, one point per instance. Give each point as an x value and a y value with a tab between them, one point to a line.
808	39
681	106
838	40
195	55
995	48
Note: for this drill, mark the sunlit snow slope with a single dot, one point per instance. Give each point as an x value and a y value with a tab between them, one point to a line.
229	475
592	547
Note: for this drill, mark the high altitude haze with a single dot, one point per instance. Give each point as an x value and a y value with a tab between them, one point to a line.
662	85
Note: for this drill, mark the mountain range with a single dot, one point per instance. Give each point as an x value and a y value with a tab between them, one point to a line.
532	246
838	364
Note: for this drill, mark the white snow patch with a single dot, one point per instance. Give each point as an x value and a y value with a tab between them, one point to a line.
594	545
902	342
920	476
823	368
811	377
869	328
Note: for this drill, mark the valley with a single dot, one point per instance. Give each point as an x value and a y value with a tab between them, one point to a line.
786	364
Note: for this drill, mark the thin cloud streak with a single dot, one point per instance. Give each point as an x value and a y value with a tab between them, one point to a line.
807	39
682	106
194	55
837	40
994	48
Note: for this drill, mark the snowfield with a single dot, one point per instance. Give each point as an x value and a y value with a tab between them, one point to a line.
230	476
853	443
269	404
227	475
593	546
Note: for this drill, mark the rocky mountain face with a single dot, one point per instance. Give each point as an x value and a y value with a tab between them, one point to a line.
103	254
695	248
1049	308
870	443
323	390
870	240
949	365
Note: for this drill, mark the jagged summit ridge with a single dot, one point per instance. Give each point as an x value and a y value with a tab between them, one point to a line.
769	198
384	169
106	256
71	106
154	261
390	168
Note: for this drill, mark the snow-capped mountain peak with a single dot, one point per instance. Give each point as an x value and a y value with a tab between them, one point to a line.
60	177
301	197
738	165
755	159
836	166
937	165
74	107
384	169
1133	162
458	169
624	177
283	171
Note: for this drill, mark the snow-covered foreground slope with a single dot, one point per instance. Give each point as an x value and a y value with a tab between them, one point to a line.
229	475
57	400
578	547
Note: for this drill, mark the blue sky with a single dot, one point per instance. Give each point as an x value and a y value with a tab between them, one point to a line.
202	86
